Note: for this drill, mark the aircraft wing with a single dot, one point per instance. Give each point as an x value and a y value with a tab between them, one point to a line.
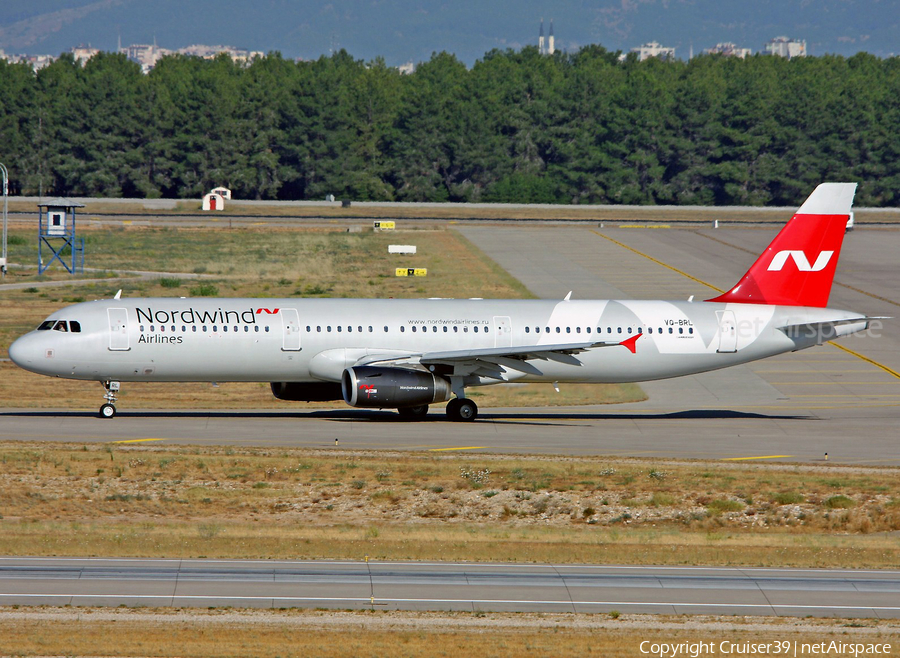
493	361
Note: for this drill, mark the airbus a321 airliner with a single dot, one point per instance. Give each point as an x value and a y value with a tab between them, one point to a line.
409	354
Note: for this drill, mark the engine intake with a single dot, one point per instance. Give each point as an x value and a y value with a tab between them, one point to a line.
307	391
370	386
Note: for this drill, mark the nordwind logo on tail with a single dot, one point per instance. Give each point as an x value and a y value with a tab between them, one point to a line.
800	260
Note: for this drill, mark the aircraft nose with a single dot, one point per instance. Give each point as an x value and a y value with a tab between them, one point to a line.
22	351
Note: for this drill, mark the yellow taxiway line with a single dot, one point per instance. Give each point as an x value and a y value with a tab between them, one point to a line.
657	261
460	448
136	440
743	459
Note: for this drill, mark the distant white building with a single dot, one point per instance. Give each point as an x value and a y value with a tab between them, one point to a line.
144	54
211	52
784	47
407	69
37	61
83	53
653	49
728	50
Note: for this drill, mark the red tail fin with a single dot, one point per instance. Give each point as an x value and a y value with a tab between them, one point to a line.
797	269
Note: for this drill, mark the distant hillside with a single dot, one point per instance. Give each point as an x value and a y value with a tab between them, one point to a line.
408	30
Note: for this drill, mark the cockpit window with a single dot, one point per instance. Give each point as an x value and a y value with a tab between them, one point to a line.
60	325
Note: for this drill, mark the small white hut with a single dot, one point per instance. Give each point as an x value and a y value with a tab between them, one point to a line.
213	201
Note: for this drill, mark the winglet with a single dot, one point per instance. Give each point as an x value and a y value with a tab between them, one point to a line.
630	343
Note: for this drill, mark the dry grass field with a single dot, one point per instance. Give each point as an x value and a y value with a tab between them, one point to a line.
154	501
296	633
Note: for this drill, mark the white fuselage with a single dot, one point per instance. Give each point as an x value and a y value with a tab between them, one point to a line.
308	340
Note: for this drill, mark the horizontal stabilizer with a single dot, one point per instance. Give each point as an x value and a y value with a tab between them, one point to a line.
829	329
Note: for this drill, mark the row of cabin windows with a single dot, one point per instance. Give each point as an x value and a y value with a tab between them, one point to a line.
215	328
537	330
609	330
61	325
414	328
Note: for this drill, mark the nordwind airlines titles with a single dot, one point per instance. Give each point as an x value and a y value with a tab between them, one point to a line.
409	354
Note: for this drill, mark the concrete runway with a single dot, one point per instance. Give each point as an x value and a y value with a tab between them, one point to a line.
795	407
449	586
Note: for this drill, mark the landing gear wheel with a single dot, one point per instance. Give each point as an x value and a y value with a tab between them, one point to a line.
107	411
413	413
462	409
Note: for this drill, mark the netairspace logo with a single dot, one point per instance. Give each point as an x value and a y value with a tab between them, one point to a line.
779	647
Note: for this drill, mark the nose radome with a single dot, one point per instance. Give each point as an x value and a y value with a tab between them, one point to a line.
22	351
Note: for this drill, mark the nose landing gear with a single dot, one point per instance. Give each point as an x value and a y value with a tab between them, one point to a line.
108	410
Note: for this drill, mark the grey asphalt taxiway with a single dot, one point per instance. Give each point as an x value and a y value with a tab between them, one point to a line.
449	586
842	399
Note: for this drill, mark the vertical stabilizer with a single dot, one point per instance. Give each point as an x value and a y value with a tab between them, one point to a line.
797	269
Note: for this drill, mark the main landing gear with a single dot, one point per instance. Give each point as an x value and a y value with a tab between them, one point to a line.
413	413
108	410
462	409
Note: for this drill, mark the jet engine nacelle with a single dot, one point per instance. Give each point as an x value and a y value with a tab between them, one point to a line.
370	386
307	391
